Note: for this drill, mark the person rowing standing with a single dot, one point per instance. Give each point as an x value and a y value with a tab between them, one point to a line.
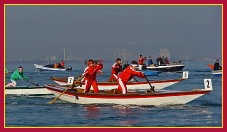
90	76
116	68
127	75
18	74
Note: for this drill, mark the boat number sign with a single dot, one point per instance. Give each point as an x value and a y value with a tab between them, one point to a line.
208	84
70	80
185	75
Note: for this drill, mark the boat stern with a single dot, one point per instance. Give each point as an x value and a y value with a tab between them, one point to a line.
207	86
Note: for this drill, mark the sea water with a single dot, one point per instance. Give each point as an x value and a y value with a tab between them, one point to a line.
35	111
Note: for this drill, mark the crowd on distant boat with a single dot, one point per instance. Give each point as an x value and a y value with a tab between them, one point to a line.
160	61
56	65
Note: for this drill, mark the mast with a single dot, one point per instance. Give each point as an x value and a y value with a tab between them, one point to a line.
64	53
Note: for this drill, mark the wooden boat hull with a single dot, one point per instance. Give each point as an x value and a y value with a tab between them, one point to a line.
167	68
24	90
159	84
43	68
162	97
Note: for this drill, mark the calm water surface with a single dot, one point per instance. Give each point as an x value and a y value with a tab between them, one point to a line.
33	111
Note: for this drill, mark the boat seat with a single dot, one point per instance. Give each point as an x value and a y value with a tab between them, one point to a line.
113	91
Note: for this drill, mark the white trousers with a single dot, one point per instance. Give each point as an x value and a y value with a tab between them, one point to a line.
12	84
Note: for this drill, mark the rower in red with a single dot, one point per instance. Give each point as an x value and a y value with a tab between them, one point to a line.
127	75
90	76
116	68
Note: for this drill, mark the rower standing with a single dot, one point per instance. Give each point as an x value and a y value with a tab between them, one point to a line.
18	74
116	68
127	75
90	75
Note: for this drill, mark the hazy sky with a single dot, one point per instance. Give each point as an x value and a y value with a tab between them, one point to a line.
98	31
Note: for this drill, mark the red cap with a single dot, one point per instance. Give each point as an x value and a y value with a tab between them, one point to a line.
89	62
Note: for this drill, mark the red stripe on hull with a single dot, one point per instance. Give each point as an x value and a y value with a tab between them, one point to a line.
131	95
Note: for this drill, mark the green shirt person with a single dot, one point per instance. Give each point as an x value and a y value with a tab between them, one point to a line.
17	75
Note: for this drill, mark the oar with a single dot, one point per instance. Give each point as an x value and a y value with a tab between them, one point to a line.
33	83
152	88
65	90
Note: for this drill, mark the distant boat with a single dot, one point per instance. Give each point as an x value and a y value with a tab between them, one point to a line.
51	68
217	72
167	68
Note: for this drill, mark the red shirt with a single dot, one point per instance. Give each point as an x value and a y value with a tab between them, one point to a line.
167	61
116	68
129	73
90	72
62	63
141	59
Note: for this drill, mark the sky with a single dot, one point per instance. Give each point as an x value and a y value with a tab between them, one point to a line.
98	32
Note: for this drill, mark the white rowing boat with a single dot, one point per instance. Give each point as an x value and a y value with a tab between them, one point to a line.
25	90
161	97
158	84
